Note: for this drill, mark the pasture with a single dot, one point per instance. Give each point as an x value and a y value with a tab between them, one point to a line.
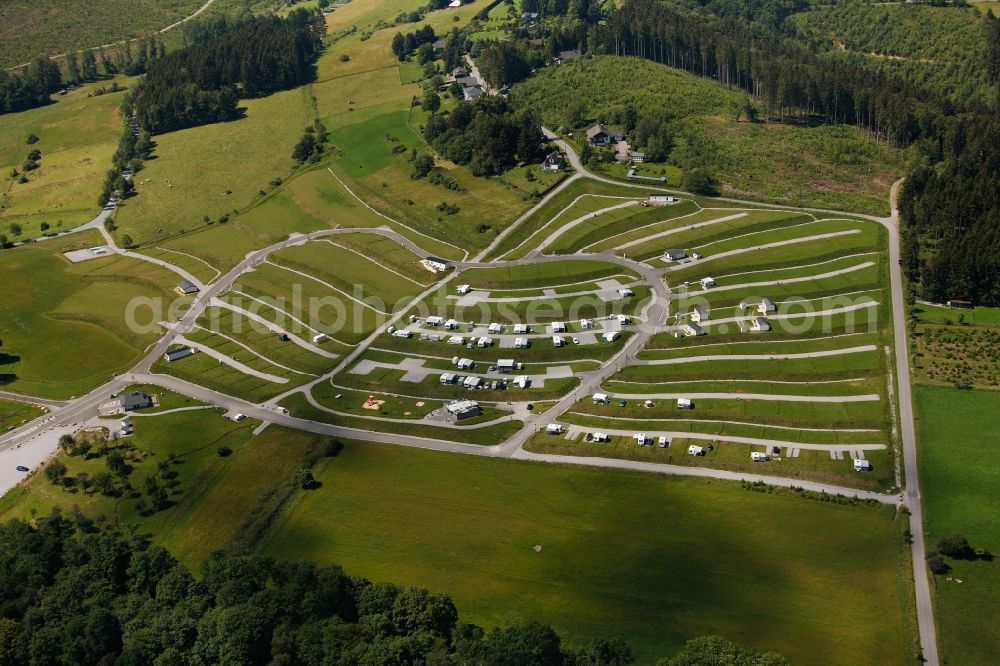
959	476
77	137
12	414
188	181
722	555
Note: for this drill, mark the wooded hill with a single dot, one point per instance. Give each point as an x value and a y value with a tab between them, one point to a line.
201	84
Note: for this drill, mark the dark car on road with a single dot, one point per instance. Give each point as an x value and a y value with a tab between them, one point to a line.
22	468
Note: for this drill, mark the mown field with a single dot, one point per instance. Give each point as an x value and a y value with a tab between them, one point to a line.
655	560
825	166
12	414
66	323
959	476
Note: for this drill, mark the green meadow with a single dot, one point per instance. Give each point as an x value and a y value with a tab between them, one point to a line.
656	560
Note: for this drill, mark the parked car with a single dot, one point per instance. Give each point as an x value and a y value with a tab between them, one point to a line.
622	403
22	468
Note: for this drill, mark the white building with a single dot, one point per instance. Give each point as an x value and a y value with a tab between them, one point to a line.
674	255
436	264
700	313
759	324
692	330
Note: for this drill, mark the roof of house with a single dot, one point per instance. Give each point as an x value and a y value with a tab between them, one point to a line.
135	400
555	155
467	80
187	286
472	92
437	260
597	129
459	71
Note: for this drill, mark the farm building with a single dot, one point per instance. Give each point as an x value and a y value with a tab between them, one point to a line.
463	409
186	287
674	255
700	313
134	400
660	199
179	353
599	135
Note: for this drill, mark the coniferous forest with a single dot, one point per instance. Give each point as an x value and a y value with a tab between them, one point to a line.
201	84
30	88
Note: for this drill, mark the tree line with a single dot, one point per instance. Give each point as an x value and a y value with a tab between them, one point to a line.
201	84
30	88
76	592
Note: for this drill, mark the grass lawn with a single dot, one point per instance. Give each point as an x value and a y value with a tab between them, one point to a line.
938	314
66	323
960	474
189	179
77	137
13	414
656	560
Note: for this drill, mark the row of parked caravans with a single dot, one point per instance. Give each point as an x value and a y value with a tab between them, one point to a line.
473	382
495	328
